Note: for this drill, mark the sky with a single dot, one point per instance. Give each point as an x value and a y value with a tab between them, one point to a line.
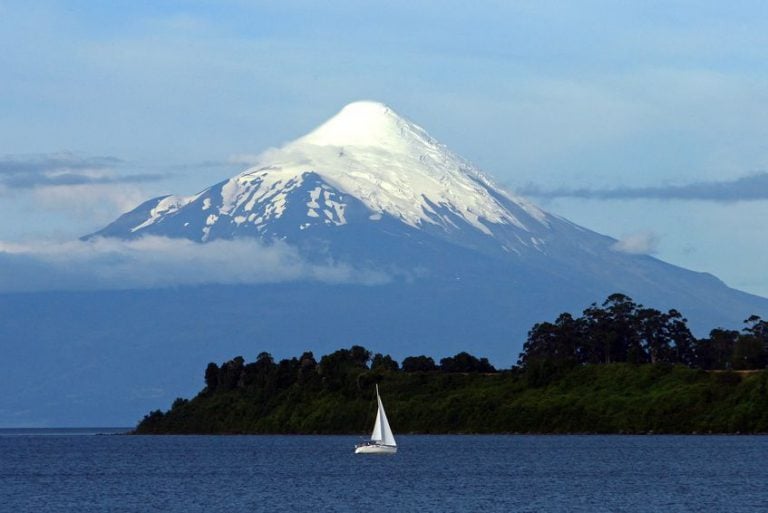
641	120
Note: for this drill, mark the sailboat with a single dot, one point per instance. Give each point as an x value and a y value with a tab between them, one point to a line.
382	439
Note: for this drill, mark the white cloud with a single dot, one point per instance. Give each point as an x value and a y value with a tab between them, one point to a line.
152	262
639	243
244	159
99	203
753	187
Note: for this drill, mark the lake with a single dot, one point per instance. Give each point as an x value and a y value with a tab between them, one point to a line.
64	470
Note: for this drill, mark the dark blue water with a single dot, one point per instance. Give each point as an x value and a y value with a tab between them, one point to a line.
71	472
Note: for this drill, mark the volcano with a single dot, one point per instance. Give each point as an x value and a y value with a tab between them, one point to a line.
373	190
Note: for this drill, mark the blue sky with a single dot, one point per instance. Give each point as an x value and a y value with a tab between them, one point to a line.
641	120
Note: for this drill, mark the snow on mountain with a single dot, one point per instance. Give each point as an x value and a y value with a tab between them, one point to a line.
395	167
372	189
366	154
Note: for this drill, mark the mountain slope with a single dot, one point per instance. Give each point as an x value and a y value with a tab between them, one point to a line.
372	189
365	165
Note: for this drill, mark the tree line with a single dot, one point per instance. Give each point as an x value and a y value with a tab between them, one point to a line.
618	331
335	371
620	367
624	331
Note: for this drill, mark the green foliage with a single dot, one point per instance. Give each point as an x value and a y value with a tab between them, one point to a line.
341	370
212	377
384	363
624	331
465	362
748	353
620	368
419	364
592	398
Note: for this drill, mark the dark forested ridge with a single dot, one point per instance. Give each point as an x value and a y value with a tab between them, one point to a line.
619	368
624	331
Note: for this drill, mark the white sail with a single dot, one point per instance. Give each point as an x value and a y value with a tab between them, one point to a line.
383	441
376	436
382	433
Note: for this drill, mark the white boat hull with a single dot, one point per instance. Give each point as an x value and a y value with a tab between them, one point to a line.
375	449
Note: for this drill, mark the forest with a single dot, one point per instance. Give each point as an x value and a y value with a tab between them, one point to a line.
623	331
618	368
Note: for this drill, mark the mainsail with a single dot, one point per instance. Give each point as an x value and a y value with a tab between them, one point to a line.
382	433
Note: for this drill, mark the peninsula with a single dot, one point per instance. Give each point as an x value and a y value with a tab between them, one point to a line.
620	368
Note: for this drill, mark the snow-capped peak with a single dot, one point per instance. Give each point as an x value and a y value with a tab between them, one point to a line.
367	123
364	164
393	166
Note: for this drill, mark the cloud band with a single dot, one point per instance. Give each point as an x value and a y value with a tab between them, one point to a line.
753	187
